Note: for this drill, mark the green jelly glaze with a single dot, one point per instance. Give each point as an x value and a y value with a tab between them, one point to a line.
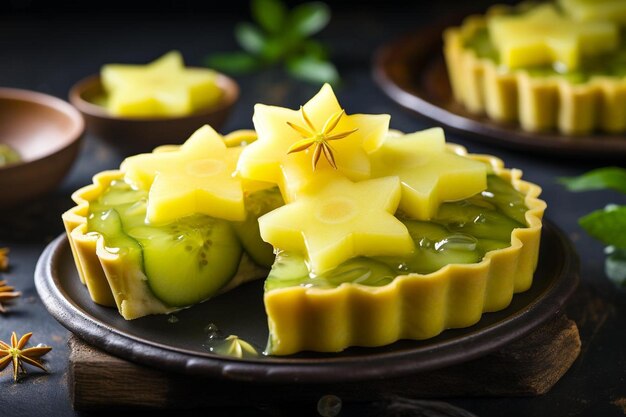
119	216
462	232
612	64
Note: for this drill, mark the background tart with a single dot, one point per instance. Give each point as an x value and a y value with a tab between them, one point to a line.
540	99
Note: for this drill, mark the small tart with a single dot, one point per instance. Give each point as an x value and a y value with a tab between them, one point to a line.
537	102
413	306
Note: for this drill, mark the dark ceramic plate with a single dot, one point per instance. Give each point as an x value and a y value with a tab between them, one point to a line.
411	70
178	346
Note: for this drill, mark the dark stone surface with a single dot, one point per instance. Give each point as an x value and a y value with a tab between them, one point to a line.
48	53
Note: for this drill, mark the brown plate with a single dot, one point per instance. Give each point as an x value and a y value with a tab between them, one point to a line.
46	132
178	345
138	134
412	71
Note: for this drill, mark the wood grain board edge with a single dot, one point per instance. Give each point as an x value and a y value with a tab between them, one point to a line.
527	367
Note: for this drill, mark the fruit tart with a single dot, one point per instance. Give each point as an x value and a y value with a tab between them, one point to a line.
545	65
364	235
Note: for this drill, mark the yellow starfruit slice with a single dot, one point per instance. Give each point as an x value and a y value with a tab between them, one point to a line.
543	36
429	173
596	10
196	178
280	154
161	88
336	219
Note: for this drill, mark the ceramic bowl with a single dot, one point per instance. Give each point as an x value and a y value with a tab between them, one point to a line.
133	135
46	132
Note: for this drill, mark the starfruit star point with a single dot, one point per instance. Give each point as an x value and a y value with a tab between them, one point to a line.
162	88
544	36
429	173
196	178
344	220
294	146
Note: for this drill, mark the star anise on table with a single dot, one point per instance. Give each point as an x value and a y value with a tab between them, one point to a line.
7	294
4	259
320	138
18	356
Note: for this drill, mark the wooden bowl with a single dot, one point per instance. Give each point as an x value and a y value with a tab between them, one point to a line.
46	132
138	134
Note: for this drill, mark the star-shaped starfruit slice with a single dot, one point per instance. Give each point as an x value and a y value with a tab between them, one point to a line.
294	146
596	10
337	219
429	173
543	36
164	87
195	178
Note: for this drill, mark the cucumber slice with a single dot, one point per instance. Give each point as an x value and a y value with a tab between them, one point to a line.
188	261
290	270
361	270
487	245
257	204
507	199
108	223
477	221
129	203
436	247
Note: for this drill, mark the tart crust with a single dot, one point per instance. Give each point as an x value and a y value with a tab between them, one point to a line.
412	306
538	103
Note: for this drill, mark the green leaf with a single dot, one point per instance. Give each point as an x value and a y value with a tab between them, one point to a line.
615	266
249	37
313	70
269	14
309	18
598	179
233	63
607	225
315	49
274	49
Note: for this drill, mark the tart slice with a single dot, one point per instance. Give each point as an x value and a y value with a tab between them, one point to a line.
544	66
145	266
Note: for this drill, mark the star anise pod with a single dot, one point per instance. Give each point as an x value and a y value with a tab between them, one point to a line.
320	138
7	294
4	259
18	356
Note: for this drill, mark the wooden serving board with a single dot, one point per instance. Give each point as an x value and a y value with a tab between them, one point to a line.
529	366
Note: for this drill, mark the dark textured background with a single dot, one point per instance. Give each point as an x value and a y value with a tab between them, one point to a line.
47	46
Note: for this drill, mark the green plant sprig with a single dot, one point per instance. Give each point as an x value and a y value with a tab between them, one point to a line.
281	36
608	225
